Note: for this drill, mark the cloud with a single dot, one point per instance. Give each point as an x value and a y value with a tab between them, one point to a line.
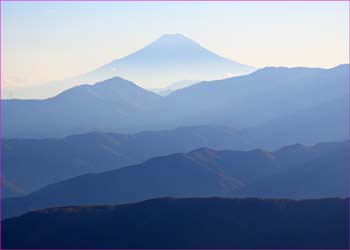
229	74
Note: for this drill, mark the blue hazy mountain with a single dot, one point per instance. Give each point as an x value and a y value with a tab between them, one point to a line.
192	223
171	58
292	172
260	97
324	176
324	122
250	101
53	160
104	106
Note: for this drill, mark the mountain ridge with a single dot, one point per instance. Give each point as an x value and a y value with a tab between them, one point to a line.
202	172
97	152
137	67
186	223
236	102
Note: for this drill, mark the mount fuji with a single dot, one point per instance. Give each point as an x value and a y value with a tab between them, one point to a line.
170	58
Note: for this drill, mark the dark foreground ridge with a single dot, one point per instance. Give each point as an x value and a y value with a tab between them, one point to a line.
185	223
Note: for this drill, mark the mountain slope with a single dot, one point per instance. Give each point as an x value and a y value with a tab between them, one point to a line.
327	121
267	95
325	176
170	58
202	172
105	106
258	98
186	223
173	57
29	164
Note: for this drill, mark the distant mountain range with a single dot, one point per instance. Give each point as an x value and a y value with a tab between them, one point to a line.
196	223
53	160
103	106
209	145
292	172
171	58
324	122
270	102
173	87
261	97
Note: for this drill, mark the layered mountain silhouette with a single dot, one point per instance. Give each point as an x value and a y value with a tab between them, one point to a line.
103	106
275	95
186	223
295	171
170	58
324	176
92	161
30	164
324	122
263	96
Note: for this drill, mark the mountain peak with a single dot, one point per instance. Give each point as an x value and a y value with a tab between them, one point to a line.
170	58
173	35
175	39
115	81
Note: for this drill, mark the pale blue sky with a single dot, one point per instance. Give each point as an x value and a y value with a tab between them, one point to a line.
45	41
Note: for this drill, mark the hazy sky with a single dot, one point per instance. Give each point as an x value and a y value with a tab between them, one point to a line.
44	41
